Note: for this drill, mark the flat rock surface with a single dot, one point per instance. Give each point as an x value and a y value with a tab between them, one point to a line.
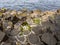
2	34
48	39
33	39
37	30
58	43
58	34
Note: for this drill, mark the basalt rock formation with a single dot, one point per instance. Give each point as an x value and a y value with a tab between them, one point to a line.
29	27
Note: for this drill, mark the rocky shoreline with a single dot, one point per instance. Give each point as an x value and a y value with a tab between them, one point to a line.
26	27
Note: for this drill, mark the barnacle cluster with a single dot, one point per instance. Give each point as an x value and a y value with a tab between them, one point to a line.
29	27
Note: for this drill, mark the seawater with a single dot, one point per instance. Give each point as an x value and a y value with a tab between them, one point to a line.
30	4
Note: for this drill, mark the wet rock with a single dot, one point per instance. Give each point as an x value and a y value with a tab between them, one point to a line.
48	39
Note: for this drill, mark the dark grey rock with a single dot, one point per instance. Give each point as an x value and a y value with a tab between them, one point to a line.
14	32
37	30
2	34
7	44
58	43
7	25
51	19
46	24
57	17
21	38
26	32
33	39
52	28
58	34
48	39
57	20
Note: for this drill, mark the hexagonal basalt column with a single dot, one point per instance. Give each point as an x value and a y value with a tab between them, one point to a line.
33	39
